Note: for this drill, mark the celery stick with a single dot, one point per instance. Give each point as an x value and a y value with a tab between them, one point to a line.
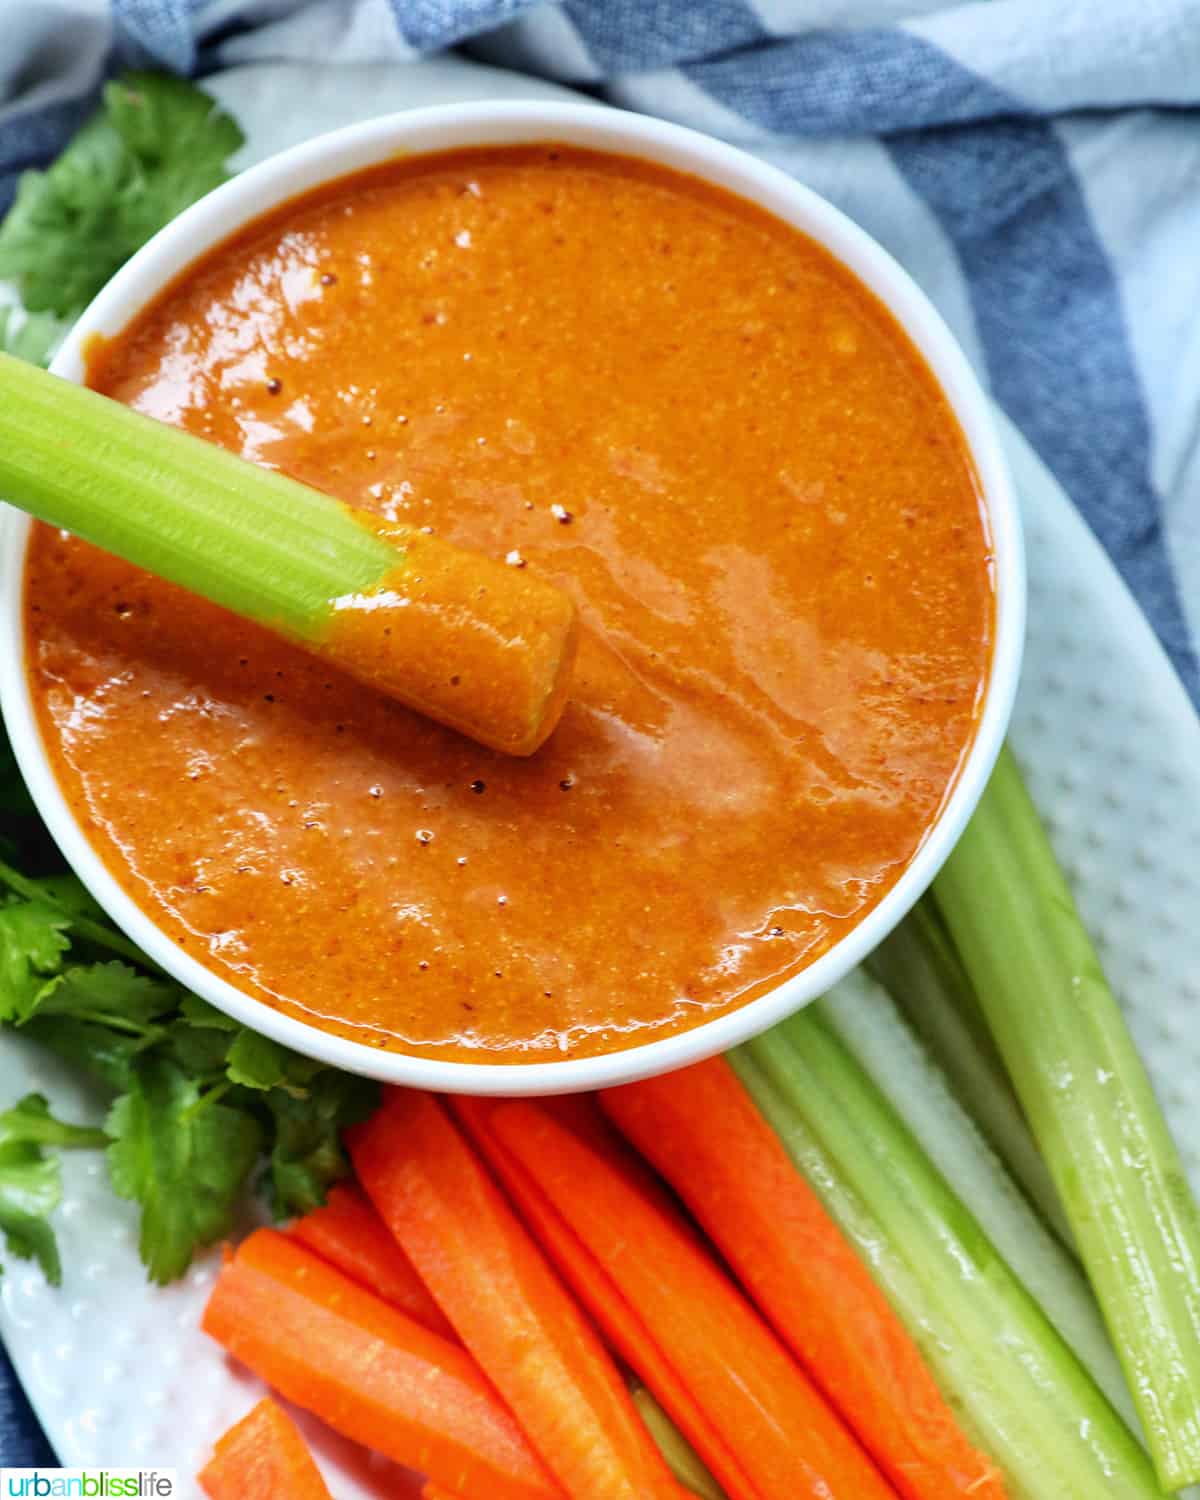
1021	1393
245	537
866	1020
919	968
1089	1105
680	1456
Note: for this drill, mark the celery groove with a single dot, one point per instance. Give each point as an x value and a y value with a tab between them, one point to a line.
1020	1391
919	968
1089	1104
866	1020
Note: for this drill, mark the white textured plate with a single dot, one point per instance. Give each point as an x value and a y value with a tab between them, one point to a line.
119	1373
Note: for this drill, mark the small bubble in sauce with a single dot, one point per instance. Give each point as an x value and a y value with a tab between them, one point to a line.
478	786
461	860
366	421
561	514
567	783
375	791
423	965
274	385
424	836
328	278
514	559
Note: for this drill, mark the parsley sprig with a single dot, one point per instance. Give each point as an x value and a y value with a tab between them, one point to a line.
155	145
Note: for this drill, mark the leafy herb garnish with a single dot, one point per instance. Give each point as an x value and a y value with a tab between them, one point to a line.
155	145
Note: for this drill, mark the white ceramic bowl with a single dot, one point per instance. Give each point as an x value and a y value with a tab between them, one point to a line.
331	156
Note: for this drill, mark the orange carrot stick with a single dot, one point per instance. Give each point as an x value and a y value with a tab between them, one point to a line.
703	1132
616	1319
369	1371
509	1308
789	1441
262	1457
349	1234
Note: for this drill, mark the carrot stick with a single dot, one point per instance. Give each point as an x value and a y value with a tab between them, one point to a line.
789	1441
349	1234
369	1371
703	1132
615	1317
262	1457
509	1308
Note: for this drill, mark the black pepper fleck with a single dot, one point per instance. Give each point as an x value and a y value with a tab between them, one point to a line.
274	385
478	787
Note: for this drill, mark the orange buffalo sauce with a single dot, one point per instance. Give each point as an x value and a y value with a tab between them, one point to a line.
675	407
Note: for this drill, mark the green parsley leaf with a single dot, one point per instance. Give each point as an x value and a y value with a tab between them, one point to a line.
30	1190
307	1154
108	994
199	1012
67	894
256	1062
156	145
198	1050
183	1156
107	1056
30	1121
31	1181
32	943
34	337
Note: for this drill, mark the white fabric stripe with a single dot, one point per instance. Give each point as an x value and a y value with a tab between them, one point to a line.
668	94
54	51
786	17
262	95
328	31
1073	54
1144	218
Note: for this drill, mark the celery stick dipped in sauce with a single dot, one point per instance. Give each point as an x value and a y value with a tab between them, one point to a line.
482	647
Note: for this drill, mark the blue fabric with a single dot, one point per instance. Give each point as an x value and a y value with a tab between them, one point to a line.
1035	166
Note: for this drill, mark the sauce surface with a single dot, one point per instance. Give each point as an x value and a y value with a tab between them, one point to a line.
675	407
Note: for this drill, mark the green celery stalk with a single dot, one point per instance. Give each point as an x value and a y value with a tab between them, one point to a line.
1021	1393
247	538
1089	1104
919	968
681	1458
868	1024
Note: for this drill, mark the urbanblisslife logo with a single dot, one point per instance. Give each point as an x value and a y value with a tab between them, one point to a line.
89	1484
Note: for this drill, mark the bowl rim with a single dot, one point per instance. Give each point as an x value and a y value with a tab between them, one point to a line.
338	153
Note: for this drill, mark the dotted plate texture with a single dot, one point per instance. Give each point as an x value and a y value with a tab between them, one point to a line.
118	1371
